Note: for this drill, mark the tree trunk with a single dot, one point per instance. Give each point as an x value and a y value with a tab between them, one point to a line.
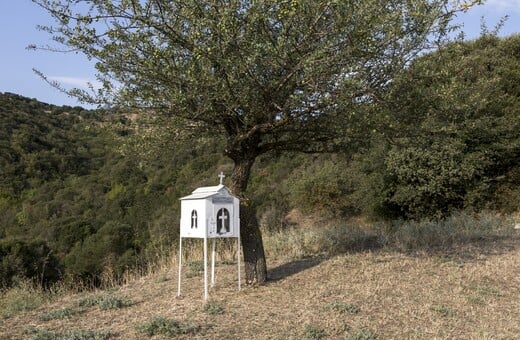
252	245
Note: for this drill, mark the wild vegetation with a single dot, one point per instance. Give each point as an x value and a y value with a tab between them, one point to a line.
398	220
87	195
267	76
78	202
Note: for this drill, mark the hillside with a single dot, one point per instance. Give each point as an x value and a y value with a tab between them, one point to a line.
76	182
469	292
84	193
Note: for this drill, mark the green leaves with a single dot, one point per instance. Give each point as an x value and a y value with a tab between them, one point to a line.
456	119
267	71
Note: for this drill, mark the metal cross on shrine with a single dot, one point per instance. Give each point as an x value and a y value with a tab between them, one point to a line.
194	219
221	176
223	218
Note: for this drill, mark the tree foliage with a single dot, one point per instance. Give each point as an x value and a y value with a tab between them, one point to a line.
33	259
267	75
455	113
36	149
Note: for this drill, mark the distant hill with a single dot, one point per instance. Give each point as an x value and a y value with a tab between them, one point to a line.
63	180
84	193
40	142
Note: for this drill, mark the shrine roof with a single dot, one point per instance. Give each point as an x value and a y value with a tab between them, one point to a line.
205	192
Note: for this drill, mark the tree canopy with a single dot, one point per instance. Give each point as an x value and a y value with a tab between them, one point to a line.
268	75
456	116
276	72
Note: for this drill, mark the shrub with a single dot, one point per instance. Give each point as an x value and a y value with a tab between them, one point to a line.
31	260
363	334
24	296
459	227
313	332
41	334
213	308
105	302
343	307
430	181
324	187
167	327
59	314
109	249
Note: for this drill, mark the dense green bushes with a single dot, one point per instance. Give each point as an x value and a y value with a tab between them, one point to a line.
431	179
455	138
110	248
91	188
20	260
84	193
324	186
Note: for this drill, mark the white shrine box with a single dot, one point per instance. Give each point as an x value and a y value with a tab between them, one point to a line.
210	212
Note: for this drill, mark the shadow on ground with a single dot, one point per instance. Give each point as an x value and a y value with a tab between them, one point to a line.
354	245
471	250
294	267
463	251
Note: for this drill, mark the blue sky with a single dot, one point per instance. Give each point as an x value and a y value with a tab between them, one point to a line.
18	20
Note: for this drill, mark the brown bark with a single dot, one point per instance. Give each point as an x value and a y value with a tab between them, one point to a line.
252	245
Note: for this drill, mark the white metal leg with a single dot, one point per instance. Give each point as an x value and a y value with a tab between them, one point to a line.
213	257
238	260
205	268
180	267
213	263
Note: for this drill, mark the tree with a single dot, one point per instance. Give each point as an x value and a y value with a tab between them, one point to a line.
268	75
457	112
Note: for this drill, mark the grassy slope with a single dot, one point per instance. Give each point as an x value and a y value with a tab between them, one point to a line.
471	293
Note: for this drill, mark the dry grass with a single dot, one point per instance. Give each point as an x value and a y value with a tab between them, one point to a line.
471	291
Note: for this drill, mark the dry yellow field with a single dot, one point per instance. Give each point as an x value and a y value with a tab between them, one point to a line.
472	292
